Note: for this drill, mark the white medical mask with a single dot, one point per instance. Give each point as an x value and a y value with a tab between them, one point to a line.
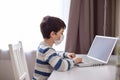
57	42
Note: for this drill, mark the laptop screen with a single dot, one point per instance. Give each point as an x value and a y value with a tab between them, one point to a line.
102	47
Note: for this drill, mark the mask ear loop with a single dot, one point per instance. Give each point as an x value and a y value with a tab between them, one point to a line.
55	32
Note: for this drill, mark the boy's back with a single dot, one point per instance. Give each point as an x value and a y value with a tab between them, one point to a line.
48	60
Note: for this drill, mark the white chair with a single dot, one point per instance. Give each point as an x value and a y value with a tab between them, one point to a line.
18	60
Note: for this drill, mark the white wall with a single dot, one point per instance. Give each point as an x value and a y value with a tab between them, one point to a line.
20	20
6	71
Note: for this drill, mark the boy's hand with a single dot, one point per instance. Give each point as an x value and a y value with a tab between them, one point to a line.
71	55
77	60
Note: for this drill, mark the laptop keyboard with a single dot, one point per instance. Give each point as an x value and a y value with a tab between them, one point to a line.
93	62
88	60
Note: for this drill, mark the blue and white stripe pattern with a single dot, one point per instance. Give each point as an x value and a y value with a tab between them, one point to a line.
47	60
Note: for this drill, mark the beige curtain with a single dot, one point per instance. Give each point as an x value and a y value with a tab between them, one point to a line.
88	18
117	17
117	33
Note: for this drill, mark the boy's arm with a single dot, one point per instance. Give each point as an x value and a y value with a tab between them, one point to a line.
66	54
62	54
57	62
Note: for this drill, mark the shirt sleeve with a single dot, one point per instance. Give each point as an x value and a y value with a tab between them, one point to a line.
62	54
58	63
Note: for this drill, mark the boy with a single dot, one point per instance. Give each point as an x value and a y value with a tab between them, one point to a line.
47	58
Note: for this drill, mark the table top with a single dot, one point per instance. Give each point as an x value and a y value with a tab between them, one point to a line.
105	72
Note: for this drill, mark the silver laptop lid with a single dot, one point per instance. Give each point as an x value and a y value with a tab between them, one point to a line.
102	48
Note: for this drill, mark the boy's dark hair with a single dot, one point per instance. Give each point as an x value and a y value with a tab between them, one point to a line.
50	24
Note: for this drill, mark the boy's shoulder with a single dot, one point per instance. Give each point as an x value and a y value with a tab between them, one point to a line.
45	47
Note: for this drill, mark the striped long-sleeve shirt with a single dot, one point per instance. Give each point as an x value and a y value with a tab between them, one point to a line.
47	60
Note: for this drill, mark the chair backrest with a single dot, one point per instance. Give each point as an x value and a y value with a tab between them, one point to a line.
18	60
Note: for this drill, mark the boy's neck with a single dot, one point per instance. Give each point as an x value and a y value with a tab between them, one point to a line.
49	42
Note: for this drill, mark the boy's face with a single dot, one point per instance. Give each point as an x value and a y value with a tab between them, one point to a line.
56	36
59	33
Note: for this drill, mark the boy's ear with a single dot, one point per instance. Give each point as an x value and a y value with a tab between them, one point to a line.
52	34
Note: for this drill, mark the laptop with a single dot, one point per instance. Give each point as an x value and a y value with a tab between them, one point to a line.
99	52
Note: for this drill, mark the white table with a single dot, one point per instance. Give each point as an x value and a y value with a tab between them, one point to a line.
106	72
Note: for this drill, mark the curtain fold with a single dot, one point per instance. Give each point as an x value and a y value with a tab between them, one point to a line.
87	19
